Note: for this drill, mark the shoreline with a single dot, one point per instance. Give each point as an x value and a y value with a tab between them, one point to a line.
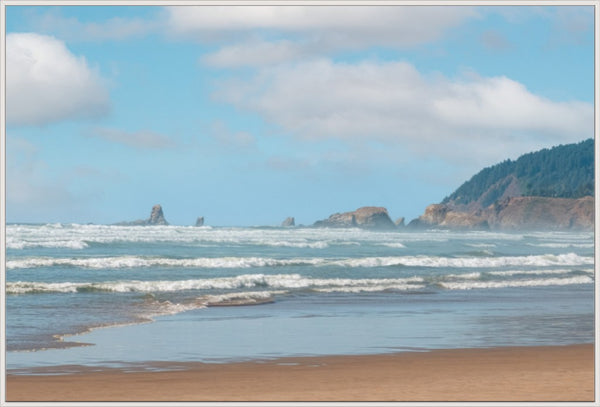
529	373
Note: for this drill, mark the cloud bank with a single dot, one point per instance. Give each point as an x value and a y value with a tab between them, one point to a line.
395	104
46	83
262	35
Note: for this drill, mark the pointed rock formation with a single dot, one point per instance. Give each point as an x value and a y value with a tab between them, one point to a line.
400	222
200	221
288	222
156	216
367	217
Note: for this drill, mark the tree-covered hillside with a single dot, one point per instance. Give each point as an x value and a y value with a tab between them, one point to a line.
564	171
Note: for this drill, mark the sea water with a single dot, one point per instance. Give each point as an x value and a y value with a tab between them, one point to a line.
100	295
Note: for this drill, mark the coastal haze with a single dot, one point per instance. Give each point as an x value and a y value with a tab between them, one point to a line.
260	203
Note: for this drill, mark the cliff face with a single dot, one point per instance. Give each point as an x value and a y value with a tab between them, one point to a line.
564	171
549	189
368	217
534	212
516	213
443	216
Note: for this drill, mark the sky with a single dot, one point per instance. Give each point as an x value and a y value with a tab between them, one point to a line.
249	114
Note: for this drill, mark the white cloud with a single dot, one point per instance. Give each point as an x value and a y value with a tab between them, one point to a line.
255	54
502	103
395	104
143	139
251	35
46	83
411	25
72	30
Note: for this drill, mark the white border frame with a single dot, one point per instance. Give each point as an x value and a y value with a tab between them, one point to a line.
4	3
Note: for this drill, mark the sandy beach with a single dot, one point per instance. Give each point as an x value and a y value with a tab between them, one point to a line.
549	373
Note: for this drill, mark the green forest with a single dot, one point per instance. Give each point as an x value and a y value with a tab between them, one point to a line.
564	171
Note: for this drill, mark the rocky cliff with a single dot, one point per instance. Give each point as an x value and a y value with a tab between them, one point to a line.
548	189
542	213
442	216
514	213
564	171
368	217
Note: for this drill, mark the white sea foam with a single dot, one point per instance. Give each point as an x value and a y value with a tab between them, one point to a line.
239	298
536	272
155	308
287	282
478	245
279	281
470	285
465	276
53	244
136	261
563	245
371	288
81	236
569	259
77	237
396	245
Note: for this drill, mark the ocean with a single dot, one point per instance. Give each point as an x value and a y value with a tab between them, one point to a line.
99	295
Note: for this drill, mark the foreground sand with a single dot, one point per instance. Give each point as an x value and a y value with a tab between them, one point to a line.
560	373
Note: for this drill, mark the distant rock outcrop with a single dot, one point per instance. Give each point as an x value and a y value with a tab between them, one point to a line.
441	216
368	217
400	222
288	222
542	213
156	218
516	213
200	221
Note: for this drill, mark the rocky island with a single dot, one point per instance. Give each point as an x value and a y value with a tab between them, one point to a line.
367	217
156	218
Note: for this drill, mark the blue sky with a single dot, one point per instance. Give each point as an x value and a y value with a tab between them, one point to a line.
247	115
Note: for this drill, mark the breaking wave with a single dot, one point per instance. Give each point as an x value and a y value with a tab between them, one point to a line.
470	285
288	282
569	259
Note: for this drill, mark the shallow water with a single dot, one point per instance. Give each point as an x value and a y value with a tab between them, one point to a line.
322	291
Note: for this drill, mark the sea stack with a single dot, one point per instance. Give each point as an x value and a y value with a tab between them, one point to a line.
367	217
400	222
157	217
288	222
200	221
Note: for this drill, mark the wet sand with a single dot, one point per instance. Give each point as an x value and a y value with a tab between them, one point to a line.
547	373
